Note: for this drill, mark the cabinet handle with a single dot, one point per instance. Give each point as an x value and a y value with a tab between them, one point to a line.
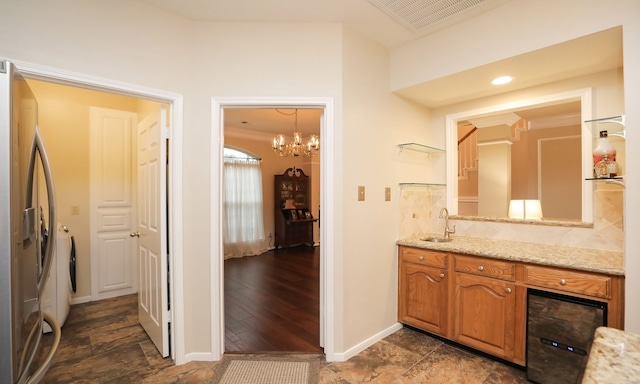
441	275
420	258
563	282
508	290
481	268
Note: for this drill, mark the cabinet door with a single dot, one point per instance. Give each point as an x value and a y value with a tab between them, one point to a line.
484	314
422	299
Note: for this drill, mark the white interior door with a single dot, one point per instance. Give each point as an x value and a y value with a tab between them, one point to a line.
113	262
153	311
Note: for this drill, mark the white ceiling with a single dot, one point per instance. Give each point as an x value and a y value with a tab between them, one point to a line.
589	54
360	15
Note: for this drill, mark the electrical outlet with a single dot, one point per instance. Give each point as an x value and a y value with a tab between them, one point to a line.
75	209
387	194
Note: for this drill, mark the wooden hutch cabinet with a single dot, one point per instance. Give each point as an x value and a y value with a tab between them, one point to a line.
293	219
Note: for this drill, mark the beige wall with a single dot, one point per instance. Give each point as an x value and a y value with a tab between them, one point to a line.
130	42
127	41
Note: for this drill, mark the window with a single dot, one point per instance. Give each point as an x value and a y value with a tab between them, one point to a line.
243	224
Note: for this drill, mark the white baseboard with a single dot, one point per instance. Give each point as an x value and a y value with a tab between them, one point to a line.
80	300
197	356
351	352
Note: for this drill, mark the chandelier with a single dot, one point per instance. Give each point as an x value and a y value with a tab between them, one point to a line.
295	148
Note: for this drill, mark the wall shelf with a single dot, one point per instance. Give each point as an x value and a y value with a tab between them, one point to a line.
420	148
613	125
423	185
618	180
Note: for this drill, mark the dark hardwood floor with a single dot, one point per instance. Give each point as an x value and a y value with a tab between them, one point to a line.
272	302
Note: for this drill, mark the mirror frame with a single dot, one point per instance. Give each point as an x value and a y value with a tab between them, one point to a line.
451	126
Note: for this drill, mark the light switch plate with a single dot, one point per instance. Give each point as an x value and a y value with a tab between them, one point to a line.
360	192
387	194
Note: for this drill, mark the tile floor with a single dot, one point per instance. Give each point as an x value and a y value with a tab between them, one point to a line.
103	343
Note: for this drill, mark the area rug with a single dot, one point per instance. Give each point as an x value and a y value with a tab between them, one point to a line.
266	370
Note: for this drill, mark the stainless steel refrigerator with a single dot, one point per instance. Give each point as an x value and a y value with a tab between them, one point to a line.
27	211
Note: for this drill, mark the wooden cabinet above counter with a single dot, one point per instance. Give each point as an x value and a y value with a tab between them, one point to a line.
480	301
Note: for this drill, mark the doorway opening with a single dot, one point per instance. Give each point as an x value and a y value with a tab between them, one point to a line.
272	261
172	225
219	108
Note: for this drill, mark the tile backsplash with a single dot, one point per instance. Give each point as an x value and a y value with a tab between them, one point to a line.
420	207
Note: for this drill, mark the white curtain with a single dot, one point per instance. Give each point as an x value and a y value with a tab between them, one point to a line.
243	226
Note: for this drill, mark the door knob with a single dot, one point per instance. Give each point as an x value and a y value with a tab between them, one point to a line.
134	234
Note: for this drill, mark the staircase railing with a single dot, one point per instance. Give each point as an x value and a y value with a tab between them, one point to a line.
468	152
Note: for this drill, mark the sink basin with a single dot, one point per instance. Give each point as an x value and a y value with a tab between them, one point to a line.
437	239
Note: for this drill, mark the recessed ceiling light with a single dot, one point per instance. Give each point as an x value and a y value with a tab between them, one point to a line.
502	80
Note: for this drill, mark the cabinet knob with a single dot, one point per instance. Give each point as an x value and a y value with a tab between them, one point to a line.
420	258
441	275
563	282
508	290
481	268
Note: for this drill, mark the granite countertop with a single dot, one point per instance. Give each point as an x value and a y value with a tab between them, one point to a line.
614	358
584	259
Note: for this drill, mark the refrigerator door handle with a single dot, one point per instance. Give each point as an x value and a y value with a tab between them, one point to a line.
38	148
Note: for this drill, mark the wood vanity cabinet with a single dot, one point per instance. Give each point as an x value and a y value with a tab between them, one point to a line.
423	290
481	302
484	306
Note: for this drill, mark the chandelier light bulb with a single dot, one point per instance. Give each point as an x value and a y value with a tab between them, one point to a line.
279	145
312	147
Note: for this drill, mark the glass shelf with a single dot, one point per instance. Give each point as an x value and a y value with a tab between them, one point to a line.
605	178
423	185
420	148
613	125
618	180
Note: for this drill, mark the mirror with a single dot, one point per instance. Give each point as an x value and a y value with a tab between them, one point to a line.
528	151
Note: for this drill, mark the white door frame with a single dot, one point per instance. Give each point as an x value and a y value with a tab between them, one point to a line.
175	101
327	326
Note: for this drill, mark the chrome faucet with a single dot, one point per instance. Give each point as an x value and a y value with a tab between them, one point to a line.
444	213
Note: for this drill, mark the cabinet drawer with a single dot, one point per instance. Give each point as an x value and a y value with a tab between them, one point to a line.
486	267
569	281
424	257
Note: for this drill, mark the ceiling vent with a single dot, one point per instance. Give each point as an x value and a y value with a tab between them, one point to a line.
420	16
